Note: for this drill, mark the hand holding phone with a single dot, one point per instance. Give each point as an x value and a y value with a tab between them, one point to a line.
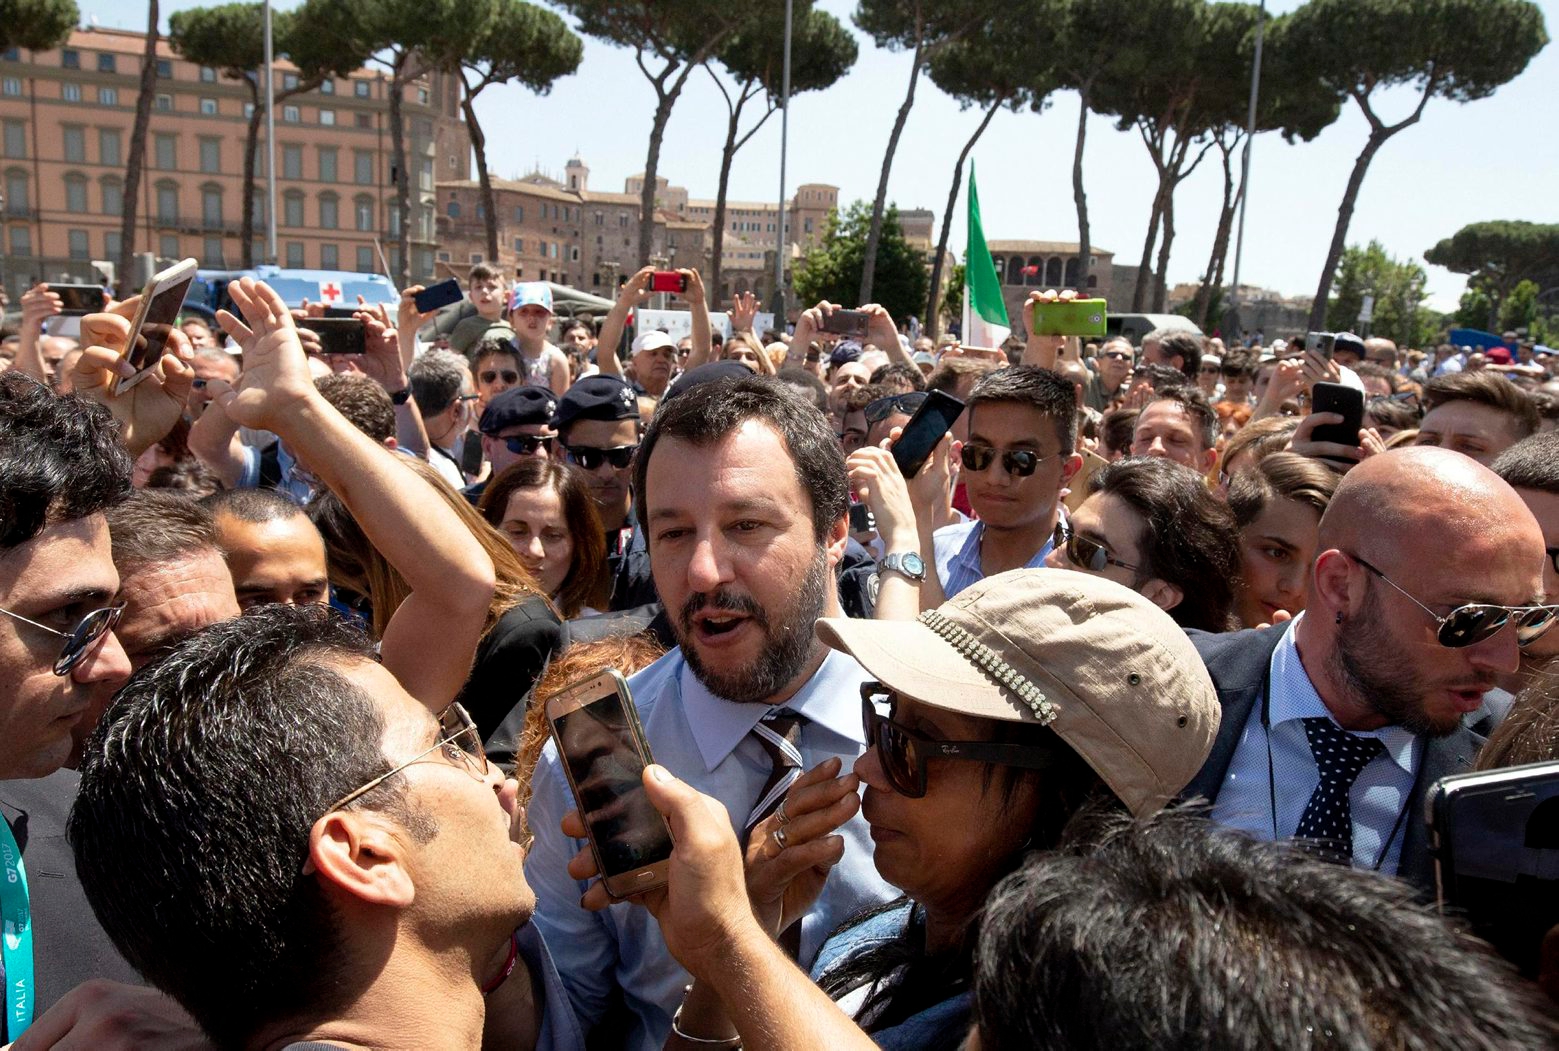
80	299
438	295
154	321
848	323
668	281
344	335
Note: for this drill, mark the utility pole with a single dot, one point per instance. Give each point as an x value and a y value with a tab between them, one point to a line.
270	141
1250	135
780	241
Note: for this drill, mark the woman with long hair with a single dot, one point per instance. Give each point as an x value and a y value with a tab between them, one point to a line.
543	508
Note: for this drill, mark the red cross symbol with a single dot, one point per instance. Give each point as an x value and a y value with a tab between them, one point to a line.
330	292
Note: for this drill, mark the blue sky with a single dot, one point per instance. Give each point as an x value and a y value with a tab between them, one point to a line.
1493	159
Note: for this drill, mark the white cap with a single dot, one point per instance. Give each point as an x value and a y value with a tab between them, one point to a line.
653	340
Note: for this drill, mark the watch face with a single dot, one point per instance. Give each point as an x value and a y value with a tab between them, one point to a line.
913	563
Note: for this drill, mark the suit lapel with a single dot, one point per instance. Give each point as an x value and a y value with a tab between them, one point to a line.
1443	756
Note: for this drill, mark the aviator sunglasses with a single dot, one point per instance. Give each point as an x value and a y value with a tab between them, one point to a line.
1084	553
1476	621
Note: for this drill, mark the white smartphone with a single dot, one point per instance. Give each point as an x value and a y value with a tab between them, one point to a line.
604	754
154	321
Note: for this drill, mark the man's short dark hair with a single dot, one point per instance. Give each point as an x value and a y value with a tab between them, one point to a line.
362	401
1171	932
1187	346
1532	463
198	792
578	322
253	505
807	385
951	373
857	398
899	378
483	272
60	459
1485	388
1047	392
711	411
1239	363
1189	538
154	526
489	348
437	378
1195	405
1116	430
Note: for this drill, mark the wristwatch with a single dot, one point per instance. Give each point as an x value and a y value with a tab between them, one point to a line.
401	396
907	564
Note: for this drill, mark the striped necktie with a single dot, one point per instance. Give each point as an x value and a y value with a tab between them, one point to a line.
779	732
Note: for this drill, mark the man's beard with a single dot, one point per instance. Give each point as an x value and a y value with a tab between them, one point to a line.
788	638
1367	660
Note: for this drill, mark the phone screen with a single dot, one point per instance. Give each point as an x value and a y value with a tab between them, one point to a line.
151	340
439	295
846	322
607	769
80	299
920	435
338	335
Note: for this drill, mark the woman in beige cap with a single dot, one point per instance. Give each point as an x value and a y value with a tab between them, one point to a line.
993	720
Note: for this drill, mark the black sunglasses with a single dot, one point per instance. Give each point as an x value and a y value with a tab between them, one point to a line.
78	640
904	753
1084	553
528	444
1020	462
509	376
1117	355
882	408
590	458
1471	624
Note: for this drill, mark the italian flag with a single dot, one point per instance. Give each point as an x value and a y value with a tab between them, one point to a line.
985	315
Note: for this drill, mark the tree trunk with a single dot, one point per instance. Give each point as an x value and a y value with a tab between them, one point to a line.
874	234
667	99
1350	197
479	147
717	235
1212	277
246	206
402	201
1084	248
1145	267
1160	288
136	161
934	297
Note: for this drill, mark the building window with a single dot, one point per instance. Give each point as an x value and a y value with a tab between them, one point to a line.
11	86
327	164
289	81
395	222
329	211
165	69
108	146
74	140
111	244
291	162
211	155
327	117
108	96
80	248
363	167
519	213
165	150
422	96
476	257
329	257
292	208
70	92
453	209
363	120
519	246
327	87
113	197
167	203
208	107
425	175
257	207
363	208
76	194
17	200
70	58
211	207
362	88
15	139
208	75
295	255
210	251
290	114
21	240
164	103
365	259
168	246
105	63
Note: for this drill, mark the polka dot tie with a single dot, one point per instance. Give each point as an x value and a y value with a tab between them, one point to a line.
1326	826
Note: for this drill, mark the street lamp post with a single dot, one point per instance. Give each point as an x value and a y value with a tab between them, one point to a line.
270	140
780	241
1250	135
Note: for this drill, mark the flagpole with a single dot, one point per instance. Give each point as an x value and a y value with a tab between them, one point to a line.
270	141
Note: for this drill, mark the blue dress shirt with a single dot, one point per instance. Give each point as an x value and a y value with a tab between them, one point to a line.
1378	796
706	741
957	554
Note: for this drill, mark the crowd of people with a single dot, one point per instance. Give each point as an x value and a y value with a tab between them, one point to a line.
1112	726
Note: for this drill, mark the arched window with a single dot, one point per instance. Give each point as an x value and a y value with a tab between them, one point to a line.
1015	270
1000	263
1036	274
1071	272
1053	271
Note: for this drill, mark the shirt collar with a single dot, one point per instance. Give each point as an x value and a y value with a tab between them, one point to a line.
968	555
1293	696
831	698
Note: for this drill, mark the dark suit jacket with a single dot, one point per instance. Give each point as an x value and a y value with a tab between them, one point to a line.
68	945
1240	663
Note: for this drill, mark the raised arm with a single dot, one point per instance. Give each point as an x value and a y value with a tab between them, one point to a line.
633	293
698	309
38	305
450	576
883	334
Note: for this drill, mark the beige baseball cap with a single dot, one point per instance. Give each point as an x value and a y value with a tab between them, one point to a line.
1103	667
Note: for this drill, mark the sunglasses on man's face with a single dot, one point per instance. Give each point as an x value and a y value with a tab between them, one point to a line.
509	376
1210	370
528	444
1084	553
591	458
80	639
1117	355
1473	623
903	753
1019	462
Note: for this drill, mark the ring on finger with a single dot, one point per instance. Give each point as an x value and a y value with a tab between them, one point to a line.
779	812
781	838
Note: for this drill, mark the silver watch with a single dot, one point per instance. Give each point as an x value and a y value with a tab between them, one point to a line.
907	564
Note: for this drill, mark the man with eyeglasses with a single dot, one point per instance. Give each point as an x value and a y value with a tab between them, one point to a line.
597	424
515	424
1107	383
314	837
1020	453
1427	587
441	383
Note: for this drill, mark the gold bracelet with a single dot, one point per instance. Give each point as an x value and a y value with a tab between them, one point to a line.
702	1041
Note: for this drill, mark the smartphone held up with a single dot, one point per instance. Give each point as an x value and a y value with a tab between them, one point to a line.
154	321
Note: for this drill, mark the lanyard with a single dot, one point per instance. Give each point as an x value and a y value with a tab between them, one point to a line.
16	939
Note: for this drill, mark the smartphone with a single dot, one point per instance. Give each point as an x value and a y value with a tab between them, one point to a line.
161	301
338	335
668	281
1074	317
602	747
438	295
1347	402
341	311
861	519
80	299
924	429
1321	343
846	322
1495	839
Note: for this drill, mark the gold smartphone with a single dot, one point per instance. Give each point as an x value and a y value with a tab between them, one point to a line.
604	754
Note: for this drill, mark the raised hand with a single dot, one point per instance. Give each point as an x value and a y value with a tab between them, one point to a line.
881	332
784	880
744	307
150	409
276	376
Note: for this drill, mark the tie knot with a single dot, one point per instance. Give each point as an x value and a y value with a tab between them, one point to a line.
786	723
1339	755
